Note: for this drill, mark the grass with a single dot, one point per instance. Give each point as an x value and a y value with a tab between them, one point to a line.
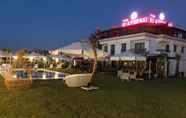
52	99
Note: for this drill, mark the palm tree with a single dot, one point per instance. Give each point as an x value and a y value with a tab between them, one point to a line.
93	40
7	50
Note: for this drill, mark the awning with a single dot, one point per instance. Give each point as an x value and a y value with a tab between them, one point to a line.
128	56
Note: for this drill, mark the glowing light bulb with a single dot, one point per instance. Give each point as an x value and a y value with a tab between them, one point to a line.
134	15
162	16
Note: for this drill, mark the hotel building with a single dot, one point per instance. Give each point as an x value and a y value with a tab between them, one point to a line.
151	37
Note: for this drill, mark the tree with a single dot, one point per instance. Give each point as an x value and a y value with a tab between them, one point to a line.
93	40
7	50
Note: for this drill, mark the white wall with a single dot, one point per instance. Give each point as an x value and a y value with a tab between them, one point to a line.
130	41
151	45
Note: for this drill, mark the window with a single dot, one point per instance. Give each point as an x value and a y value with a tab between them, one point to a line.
182	49
180	35
123	47
139	47
175	48
100	46
105	48
112	49
167	48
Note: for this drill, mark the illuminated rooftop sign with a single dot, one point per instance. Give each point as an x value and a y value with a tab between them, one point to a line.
151	19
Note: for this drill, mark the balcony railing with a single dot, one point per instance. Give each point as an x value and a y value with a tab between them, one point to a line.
139	51
163	50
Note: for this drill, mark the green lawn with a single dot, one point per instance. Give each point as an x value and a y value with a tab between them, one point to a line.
52	99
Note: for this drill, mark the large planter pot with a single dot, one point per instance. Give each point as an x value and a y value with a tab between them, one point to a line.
16	83
78	80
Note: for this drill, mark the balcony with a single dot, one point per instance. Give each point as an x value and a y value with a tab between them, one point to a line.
167	51
139	51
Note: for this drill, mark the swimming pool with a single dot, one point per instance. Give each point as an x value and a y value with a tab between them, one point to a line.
39	75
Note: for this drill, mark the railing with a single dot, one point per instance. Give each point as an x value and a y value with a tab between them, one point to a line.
163	51
139	51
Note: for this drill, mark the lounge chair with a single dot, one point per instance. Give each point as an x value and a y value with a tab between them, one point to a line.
125	76
36	66
58	66
51	66
78	80
119	73
133	76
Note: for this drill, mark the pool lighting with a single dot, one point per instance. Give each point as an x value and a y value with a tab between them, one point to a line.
44	76
56	76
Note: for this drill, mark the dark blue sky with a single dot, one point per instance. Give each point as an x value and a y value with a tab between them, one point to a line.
54	23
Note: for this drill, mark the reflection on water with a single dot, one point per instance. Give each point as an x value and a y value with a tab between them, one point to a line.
40	75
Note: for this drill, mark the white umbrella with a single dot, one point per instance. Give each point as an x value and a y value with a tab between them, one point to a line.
82	48
35	55
128	56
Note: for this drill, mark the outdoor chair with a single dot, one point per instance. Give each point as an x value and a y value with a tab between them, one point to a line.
119	73
35	66
125	76
133	76
51	66
58	66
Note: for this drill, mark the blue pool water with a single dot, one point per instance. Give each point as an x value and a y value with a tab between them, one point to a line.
40	75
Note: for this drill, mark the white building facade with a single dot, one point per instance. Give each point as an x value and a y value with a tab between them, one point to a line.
152	44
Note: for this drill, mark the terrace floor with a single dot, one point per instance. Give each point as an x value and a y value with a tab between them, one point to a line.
115	99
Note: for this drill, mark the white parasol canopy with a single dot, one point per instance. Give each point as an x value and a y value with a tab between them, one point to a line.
128	56
35	55
81	48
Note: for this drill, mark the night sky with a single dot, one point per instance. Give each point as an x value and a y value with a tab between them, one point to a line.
54	23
